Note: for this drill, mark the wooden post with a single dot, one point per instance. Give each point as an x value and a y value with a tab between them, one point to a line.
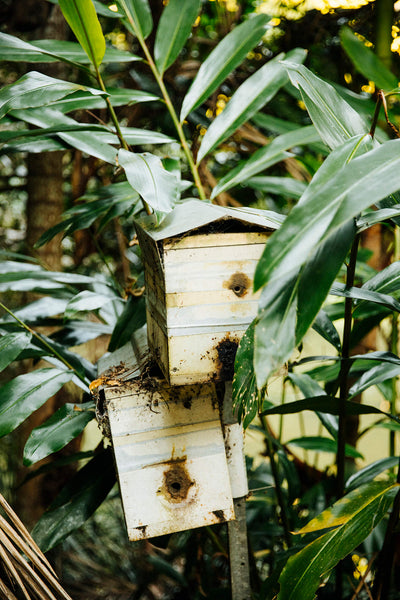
237	529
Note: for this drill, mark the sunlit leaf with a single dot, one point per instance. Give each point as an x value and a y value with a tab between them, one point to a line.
369	472
82	18
228	54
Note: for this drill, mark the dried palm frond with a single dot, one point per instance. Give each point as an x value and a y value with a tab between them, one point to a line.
24	566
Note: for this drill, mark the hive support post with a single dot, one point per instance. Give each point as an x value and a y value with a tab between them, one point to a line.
237	529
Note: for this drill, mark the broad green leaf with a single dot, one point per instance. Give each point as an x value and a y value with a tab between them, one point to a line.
386	281
326	404
82	18
354	517
341	194
78	363
77	501
132	318
322	444
251	96
87	301
369	472
46	51
335	120
265	157
118	97
34	312
35	90
146	174
77	332
340	289
282	186
7	135
366	62
373	376
34	145
377	216
245	393
88	142
11	345
229	53
173	30
62	427
138	19
21	396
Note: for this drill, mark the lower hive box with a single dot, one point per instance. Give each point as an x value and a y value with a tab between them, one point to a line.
170	456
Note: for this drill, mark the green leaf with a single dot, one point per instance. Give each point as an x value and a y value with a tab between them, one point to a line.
132	318
229	53
62	427
335	120
173	30
282	186
45	51
88	301
245	393
82	18
325	327
322	444
148	177
11	345
77	501
374	376
34	90
88	142
138	17
386	281
342	193
377	216
340	289
369	472
366	62
118	97
251	96
21	396
354	517
265	157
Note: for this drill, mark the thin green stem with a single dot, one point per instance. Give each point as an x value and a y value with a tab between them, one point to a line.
44	343
278	487
168	102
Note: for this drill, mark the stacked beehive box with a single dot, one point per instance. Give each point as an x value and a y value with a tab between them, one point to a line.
175	471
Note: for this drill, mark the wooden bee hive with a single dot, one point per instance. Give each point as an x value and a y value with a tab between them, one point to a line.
199	268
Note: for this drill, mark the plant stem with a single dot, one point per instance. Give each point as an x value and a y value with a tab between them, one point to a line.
344	371
278	488
168	102
44	342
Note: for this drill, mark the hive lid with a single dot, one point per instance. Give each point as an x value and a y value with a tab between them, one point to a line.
192	214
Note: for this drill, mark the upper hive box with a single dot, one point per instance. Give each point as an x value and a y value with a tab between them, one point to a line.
199	267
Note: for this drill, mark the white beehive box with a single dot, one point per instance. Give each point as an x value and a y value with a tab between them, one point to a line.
169	450
199	267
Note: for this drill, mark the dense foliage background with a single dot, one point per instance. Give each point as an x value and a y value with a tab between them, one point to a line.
290	108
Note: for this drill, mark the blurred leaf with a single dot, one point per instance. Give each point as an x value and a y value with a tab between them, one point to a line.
147	176
87	301
77	501
227	55
78	332
79	363
377	216
11	345
36	90
249	98
325	327
342	193
353	517
245	393
322	444
118	97
366	62
265	157
340	289
282	186
21	396
386	281
335	120
132	318
173	30
138	17
82	18
369	472
62	427
35	312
